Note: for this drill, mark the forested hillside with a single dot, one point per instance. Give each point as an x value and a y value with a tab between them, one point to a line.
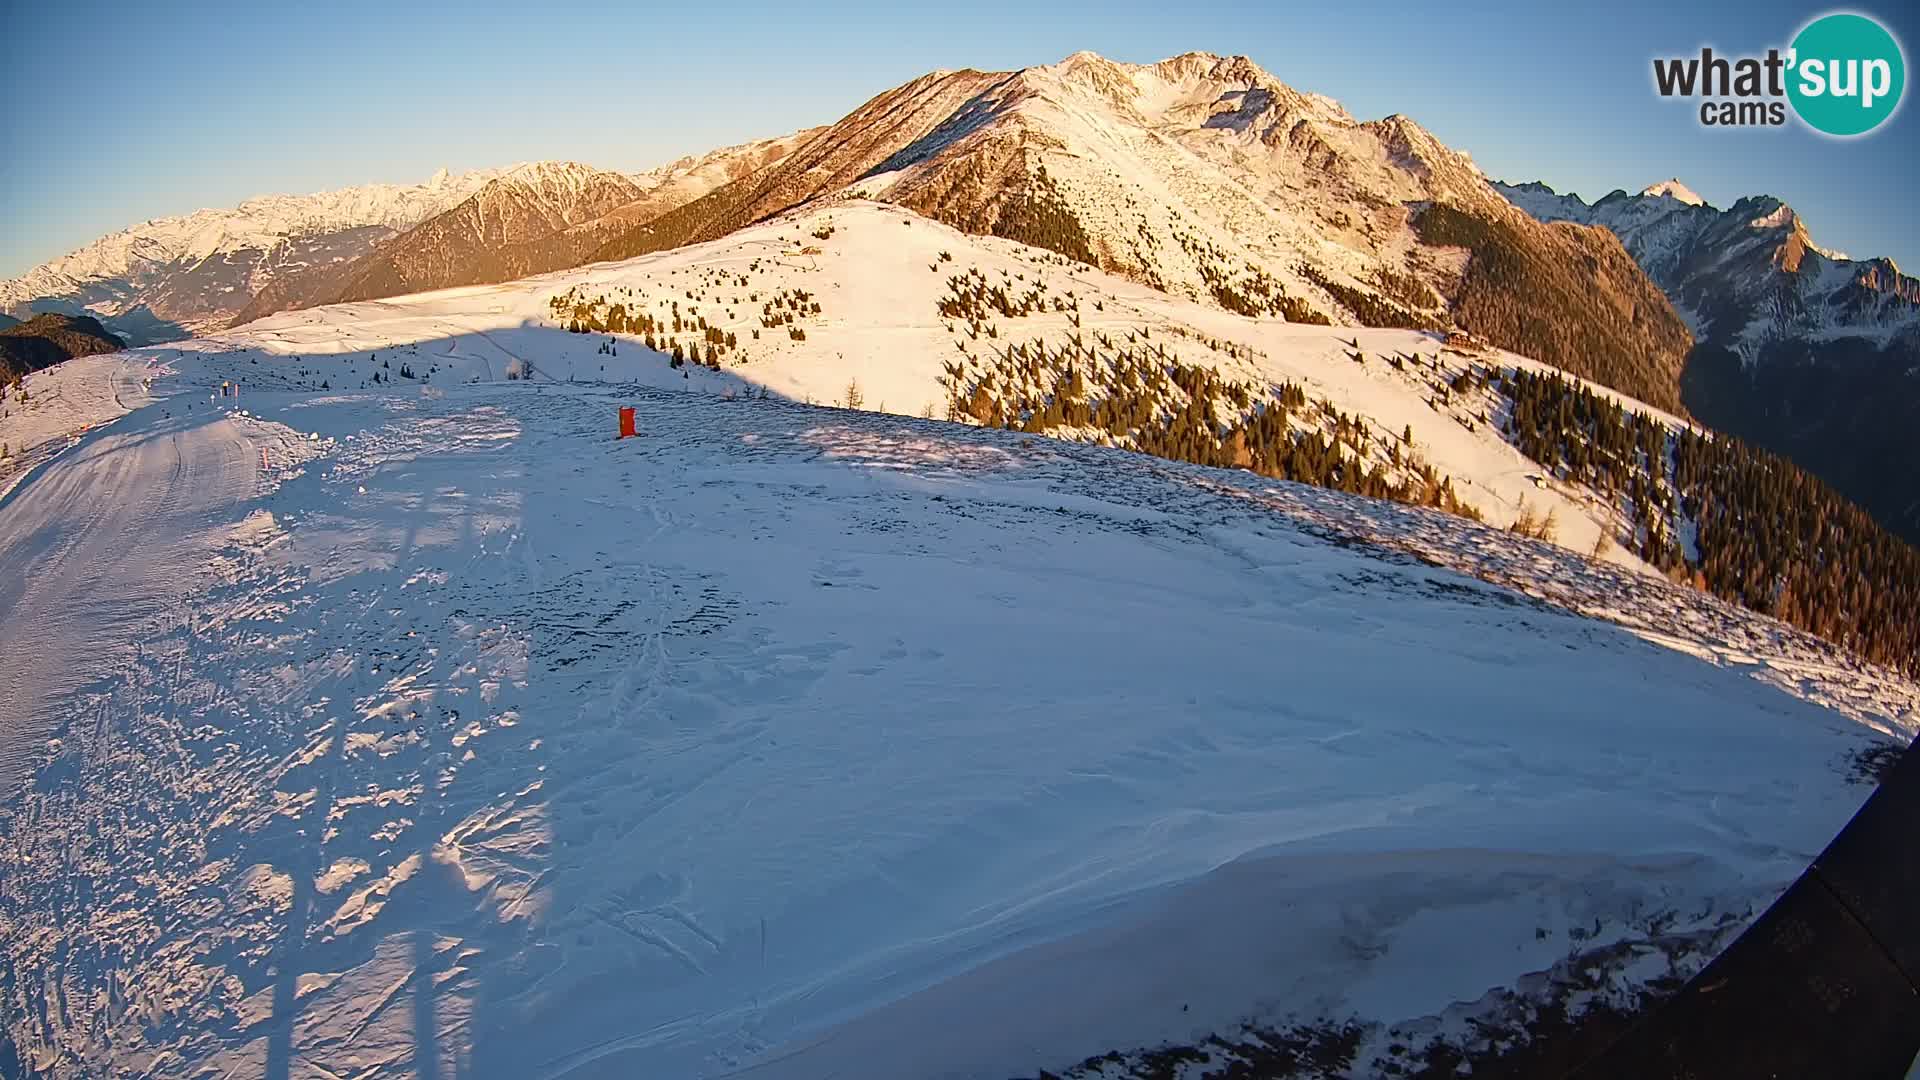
1745	524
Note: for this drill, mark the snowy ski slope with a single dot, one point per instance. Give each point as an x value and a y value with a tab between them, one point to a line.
879	277
397	730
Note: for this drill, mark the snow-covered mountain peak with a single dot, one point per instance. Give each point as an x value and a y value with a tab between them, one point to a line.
1674	189
1193	89
533	217
195	269
1800	349
1883	276
1087	63
1202	176
1767	212
1443	169
1231	110
726	163
548	172
1197	66
392	205
1750	275
567	189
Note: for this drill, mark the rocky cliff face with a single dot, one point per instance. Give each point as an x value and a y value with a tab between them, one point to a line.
1801	350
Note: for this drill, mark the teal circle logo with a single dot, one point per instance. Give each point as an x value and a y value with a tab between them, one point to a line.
1848	74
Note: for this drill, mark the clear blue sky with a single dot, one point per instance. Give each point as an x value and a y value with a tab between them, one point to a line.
121	112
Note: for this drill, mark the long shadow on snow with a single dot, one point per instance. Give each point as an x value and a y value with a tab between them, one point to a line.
1427	556
476	956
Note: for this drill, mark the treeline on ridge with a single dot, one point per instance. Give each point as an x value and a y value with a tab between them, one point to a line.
1148	400
1768	535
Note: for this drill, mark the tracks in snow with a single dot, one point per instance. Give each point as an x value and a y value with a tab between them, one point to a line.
99	547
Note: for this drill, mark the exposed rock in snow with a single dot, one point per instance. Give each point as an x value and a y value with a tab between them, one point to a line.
1747	275
1675	190
1802	350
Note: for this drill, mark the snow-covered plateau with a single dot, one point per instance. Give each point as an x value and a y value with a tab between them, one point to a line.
419	727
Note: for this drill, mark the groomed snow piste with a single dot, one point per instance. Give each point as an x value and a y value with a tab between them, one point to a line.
431	731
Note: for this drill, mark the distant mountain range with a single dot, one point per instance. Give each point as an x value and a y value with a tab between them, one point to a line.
528	220
1747	277
177	276
1801	350
482	238
173	276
